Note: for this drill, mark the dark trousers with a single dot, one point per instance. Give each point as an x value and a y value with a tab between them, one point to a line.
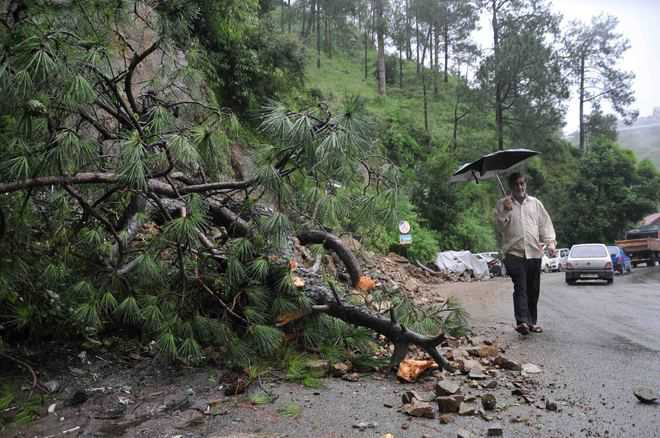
526	277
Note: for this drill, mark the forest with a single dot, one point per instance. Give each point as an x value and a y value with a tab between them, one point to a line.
160	161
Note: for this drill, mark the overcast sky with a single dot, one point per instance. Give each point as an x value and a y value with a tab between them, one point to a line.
639	21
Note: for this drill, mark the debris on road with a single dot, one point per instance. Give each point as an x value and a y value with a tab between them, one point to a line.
645	394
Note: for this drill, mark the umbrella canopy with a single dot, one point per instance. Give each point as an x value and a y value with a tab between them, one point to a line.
491	165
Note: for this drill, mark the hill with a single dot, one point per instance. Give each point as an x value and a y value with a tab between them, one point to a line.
643	140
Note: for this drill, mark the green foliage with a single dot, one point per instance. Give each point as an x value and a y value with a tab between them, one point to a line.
610	194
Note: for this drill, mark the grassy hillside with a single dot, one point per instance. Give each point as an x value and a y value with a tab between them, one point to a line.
343	74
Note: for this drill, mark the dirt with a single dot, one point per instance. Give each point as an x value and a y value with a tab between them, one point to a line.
133	393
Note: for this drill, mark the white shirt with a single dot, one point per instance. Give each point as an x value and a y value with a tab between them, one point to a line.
523	228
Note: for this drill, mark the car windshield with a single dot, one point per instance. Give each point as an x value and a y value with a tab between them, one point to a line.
613	250
587	251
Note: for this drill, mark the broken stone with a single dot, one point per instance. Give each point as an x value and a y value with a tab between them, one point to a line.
408	397
361	426
419	409
449	404
467	409
495	430
468	364
477	374
491	385
530	368
351	377
507	364
445	387
446	419
462	433
487	351
551	405
52	386
339	369
645	394
489	402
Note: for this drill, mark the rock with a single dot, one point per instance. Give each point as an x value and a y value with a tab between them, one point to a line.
52	386
419	409
487	351
491	385
51	408
645	394
352	377
551	405
507	364
445	387
361	426
462	433
530	368
477	374
408	397
468	364
467	409
449	404
495	430
339	369
489	402
446	419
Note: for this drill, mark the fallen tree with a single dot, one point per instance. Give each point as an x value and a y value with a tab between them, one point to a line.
105	148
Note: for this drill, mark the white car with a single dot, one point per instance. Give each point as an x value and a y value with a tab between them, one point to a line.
589	261
550	264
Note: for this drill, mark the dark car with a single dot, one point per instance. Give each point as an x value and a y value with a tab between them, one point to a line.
621	262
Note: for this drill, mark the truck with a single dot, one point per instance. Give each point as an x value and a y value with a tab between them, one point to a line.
642	244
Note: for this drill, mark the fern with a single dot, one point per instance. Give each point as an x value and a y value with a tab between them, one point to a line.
167	345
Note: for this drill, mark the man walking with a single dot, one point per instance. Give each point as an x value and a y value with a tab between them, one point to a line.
524	226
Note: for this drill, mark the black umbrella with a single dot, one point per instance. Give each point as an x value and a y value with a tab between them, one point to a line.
491	165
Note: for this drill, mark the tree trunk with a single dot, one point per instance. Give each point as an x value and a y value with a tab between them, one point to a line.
366	50
318	35
417	35
282	16
499	107
436	50
426	113
289	15
401	68
446	38
380	31
581	126
304	18
408	36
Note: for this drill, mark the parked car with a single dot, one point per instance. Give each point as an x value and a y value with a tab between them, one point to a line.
589	261
563	256
550	264
621	262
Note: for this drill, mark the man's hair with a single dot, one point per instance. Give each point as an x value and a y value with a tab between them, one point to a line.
513	177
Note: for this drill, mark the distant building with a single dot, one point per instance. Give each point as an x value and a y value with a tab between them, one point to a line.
652	219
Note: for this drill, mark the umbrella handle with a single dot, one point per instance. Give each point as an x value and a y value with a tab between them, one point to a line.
501	185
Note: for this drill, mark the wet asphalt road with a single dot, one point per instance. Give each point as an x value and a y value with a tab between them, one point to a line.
599	343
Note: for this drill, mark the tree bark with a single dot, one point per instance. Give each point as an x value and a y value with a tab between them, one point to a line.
436	50
446	38
401	68
581	126
499	110
380	31
328	301
333	243
318	35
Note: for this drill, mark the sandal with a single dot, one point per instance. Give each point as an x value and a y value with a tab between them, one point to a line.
522	328
536	329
